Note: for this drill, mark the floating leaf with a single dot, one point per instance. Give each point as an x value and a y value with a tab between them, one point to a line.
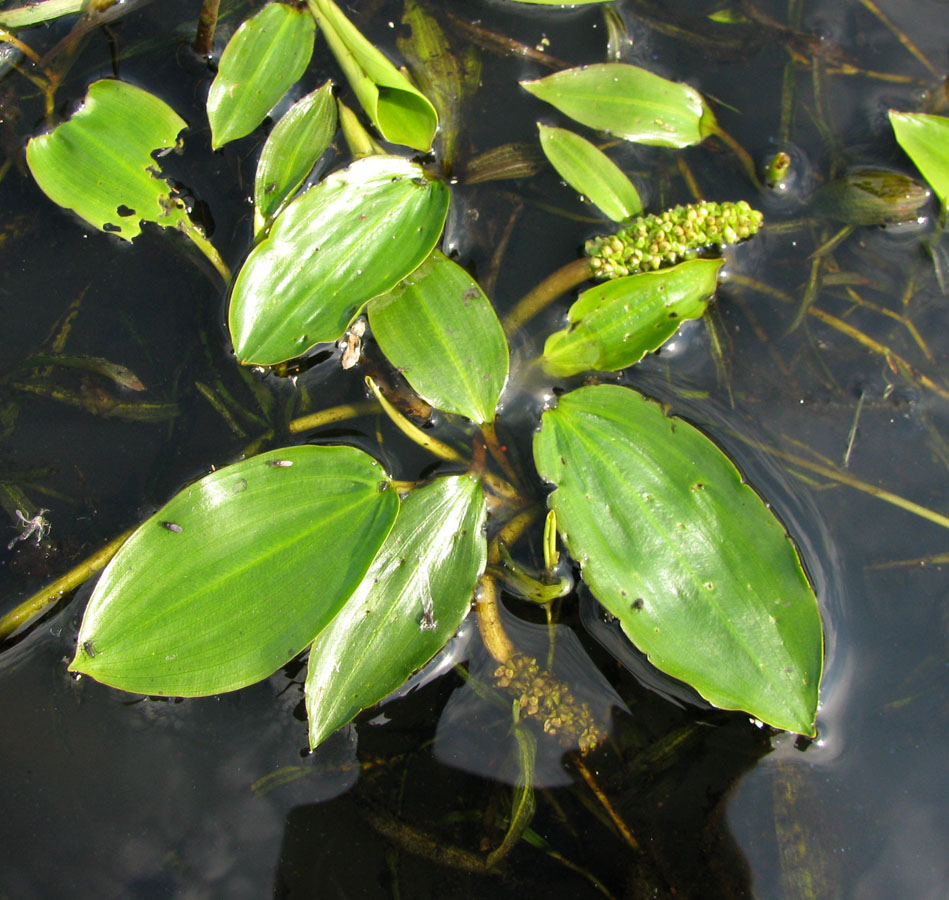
440	330
615	324
591	172
266	55
297	141
343	242
412	600
401	112
925	139
673	543
236	574
99	163
629	102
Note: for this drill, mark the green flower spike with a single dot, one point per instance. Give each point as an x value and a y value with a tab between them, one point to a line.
676	234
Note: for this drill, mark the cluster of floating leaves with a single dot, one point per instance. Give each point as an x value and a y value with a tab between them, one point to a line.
678	233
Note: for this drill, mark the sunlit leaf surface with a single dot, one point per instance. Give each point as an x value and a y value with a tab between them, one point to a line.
237	573
266	55
343	242
401	112
412	600
591	172
615	324
629	102
297	141
440	330
99	163
925	139
701	575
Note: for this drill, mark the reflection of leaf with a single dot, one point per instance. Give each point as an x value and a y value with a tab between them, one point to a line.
297	141
411	601
591	172
615	324
402	113
338	245
925	139
440	330
673	543
266	55
99	163
254	561
629	102
444	78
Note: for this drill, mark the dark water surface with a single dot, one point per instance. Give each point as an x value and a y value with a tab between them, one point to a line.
109	795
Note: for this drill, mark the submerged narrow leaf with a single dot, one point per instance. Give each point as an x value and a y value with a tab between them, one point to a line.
99	163
236	574
266	55
343	242
412	600
629	102
590	171
925	139
401	112
701	575
616	323
440	330
297	141
446	78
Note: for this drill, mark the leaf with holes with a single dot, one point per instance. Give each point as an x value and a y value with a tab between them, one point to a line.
701	575
100	165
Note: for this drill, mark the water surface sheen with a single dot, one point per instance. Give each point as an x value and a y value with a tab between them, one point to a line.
112	795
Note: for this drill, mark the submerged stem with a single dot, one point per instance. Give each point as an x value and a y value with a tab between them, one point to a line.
32	607
563	280
196	235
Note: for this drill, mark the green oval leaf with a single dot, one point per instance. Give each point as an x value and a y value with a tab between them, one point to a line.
672	542
412	600
440	330
615	324
590	171
99	163
237	573
925	139
629	102
401	112
266	55
343	242
297	141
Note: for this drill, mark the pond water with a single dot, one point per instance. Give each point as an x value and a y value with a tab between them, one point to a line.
108	795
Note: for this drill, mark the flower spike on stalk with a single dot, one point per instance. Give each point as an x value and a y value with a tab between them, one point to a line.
649	242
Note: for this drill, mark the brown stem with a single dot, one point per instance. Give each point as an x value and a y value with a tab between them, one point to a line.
207	22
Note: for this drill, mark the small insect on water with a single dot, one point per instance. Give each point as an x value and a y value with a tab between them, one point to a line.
172	526
37	526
